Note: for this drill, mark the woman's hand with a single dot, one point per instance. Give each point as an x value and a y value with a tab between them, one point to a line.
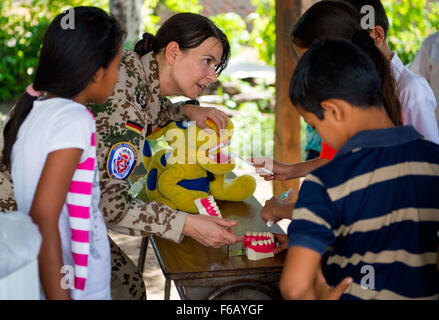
201	114
210	231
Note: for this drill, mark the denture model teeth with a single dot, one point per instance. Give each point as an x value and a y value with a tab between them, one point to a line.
208	206
259	245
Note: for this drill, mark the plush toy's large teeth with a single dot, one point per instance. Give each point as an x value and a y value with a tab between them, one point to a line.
220	145
208	206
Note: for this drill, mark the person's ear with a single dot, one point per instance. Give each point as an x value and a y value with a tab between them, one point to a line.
333	109
172	52
99	75
378	35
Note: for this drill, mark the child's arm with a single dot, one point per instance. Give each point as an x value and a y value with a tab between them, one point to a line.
302	277
48	201
276	209
299	271
283	171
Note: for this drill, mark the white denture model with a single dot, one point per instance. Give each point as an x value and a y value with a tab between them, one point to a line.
259	245
208	206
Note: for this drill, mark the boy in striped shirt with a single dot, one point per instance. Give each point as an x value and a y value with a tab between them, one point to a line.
368	220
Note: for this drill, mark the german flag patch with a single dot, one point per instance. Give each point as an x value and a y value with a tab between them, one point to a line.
137	128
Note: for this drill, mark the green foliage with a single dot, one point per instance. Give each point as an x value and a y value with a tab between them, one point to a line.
234	27
152	15
254	132
410	23
263	35
23	28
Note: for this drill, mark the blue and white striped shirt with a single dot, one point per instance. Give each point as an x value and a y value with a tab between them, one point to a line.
373	214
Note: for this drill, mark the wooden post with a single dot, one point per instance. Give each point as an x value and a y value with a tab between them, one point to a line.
287	123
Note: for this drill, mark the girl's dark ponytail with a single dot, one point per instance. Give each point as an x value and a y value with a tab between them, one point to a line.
145	45
69	59
20	111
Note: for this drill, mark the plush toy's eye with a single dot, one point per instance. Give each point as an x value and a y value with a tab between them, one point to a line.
182	124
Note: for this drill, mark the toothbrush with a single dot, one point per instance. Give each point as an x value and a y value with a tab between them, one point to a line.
220	145
284	195
235	155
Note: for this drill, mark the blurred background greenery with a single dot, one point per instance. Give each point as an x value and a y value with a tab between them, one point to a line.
25	21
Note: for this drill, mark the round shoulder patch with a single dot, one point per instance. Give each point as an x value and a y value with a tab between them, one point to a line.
122	160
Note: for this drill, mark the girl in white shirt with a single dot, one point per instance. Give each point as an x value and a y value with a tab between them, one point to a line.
49	143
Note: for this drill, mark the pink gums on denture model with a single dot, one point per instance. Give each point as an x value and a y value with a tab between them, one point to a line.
262	242
209	208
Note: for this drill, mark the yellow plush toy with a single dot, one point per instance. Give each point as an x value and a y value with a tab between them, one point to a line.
188	171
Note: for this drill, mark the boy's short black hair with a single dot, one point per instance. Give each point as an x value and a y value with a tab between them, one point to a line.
335	69
380	13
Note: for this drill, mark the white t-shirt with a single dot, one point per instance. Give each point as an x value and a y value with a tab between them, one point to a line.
417	100
426	64
55	124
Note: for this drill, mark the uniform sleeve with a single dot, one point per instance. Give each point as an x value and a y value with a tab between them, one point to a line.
313	218
120	211
170	112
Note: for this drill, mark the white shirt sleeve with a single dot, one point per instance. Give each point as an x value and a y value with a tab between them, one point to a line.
419	104
71	128
421	65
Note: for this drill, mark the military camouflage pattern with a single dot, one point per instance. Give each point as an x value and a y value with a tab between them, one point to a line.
126	280
7	199
135	99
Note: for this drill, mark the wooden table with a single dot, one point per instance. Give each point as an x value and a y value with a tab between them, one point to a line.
208	273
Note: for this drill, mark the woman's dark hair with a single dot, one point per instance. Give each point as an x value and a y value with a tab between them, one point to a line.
335	69
70	56
336	19
189	30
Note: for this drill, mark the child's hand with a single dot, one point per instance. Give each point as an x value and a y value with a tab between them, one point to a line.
279	169
325	292
271	209
283	243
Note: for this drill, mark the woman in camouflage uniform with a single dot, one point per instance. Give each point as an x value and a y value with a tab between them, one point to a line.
188	53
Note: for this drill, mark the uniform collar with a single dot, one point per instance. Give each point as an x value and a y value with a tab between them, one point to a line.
380	138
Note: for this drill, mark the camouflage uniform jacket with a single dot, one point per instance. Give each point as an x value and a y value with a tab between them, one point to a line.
135	100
